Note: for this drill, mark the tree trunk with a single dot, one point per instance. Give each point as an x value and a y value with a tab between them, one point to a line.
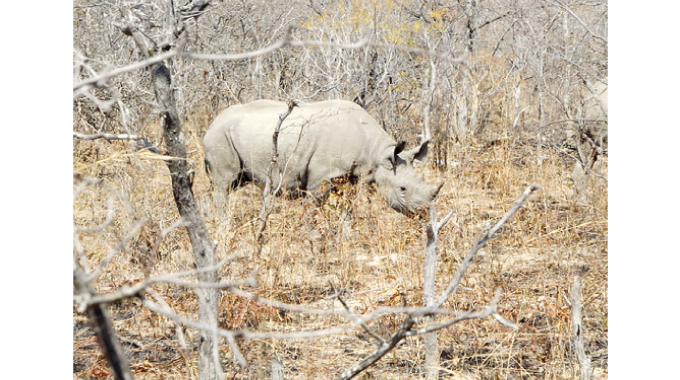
100	322
208	365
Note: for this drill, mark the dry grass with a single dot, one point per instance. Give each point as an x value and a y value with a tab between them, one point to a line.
533	260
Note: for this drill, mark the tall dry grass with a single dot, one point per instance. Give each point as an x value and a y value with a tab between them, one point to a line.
377	260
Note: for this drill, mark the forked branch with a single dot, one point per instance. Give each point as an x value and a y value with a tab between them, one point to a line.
453	285
489	310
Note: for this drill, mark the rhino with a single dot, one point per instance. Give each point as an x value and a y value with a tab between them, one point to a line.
595	110
317	142
591	137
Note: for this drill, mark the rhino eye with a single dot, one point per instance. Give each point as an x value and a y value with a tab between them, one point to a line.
402	188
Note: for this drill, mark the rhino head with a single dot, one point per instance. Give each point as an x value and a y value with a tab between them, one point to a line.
404	189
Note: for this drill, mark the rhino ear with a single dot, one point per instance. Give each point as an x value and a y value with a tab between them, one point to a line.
417	153
397	149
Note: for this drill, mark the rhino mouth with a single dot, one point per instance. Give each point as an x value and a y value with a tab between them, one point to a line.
417	212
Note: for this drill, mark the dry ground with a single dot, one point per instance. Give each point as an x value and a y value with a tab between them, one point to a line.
377	259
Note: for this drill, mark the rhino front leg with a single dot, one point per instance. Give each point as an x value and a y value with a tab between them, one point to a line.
223	178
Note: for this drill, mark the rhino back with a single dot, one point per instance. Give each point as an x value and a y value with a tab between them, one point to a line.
317	140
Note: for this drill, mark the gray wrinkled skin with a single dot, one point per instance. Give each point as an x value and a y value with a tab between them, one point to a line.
317	142
591	138
595	107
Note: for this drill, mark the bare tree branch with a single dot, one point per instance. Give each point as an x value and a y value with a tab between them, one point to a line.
110	136
486	311
453	285
128	291
383	349
277	369
178	327
566	8
245	333
106	136
110	212
100	80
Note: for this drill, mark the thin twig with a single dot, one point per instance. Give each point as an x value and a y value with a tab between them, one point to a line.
354	317
99	80
486	311
245	333
127	291
178	327
110	213
124	136
588	168
349	295
133	231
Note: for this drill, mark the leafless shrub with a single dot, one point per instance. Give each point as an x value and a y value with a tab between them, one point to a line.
494	74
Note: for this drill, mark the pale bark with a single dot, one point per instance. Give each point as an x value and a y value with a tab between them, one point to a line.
577	329
430	266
